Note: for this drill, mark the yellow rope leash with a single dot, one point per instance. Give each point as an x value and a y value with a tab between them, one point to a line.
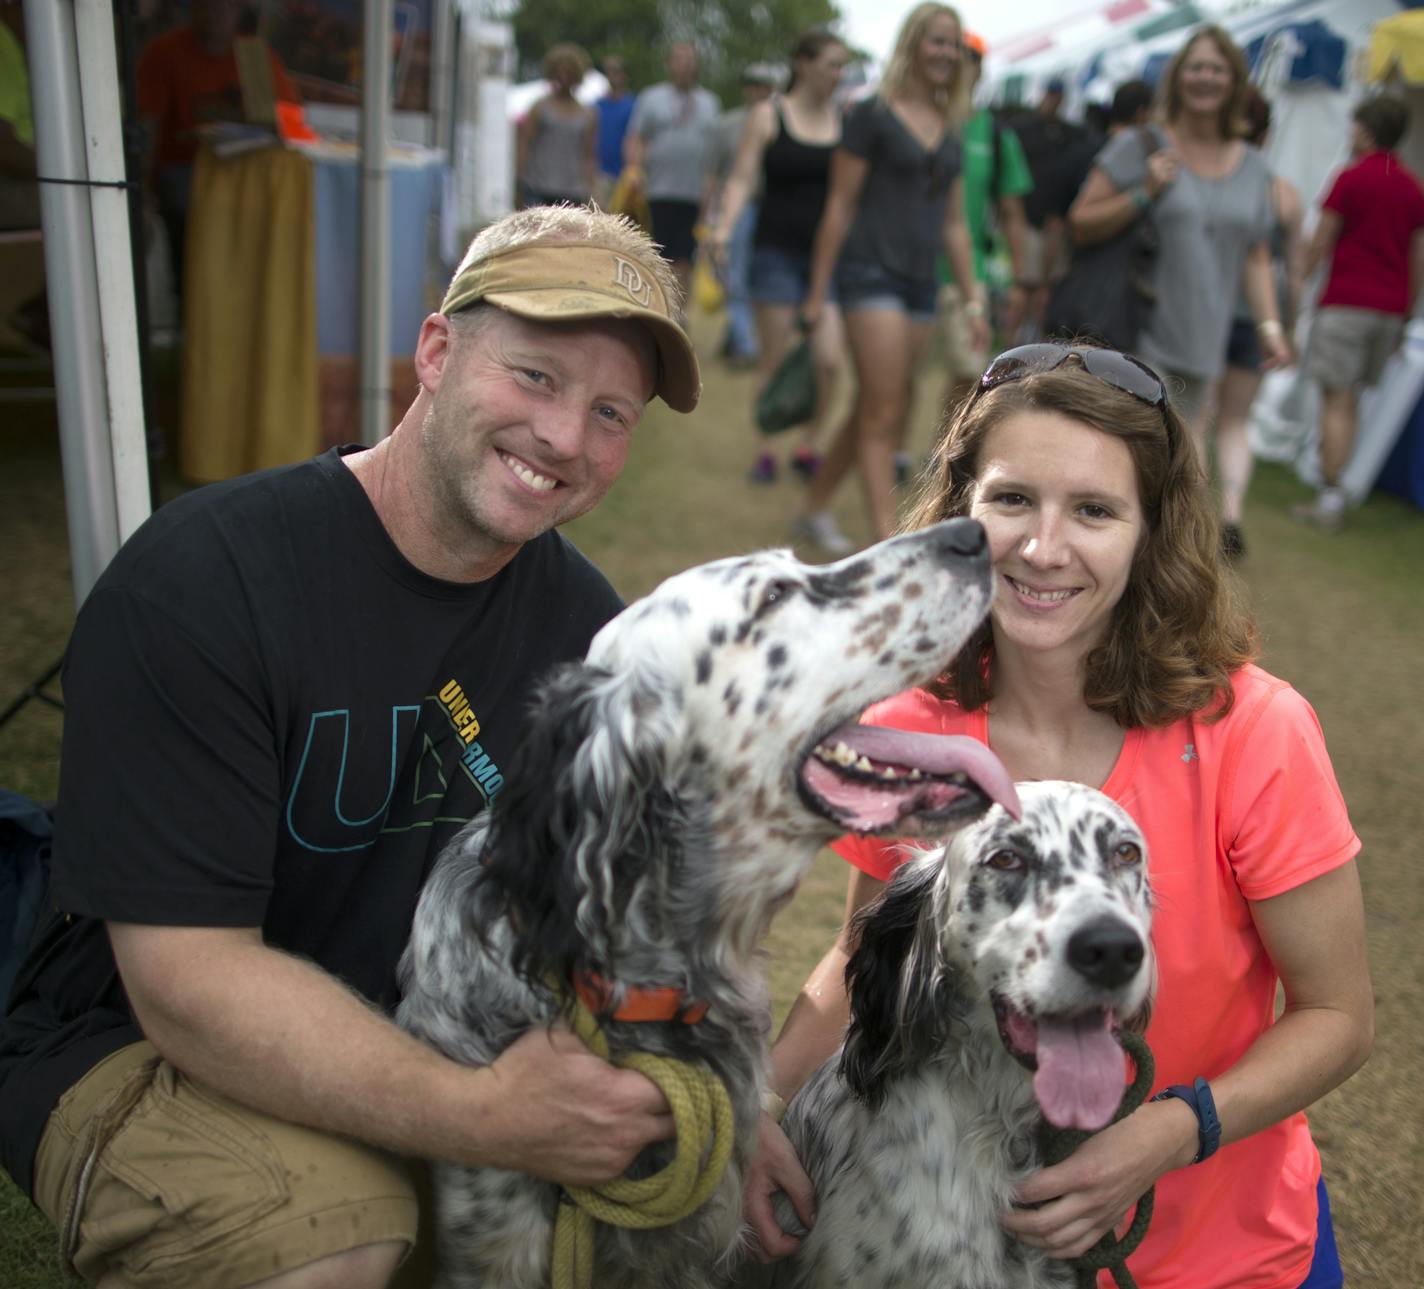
702	1112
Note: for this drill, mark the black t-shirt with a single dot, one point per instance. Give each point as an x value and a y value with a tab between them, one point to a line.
272	719
1053	148
899	221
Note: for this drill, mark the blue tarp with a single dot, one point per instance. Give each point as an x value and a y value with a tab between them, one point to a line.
1320	52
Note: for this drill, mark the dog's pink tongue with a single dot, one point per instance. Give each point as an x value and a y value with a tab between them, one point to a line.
1081	1072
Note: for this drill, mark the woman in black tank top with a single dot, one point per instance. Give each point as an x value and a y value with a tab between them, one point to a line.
783	164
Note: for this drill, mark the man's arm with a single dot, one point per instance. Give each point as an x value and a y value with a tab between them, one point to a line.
277	1033
1322	242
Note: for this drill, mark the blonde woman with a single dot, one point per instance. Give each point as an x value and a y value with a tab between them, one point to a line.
557	142
894	202
1208	193
788	144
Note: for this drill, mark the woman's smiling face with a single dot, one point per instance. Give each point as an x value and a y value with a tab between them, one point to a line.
1060	502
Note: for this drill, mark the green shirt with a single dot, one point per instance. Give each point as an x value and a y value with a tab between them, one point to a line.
1010	178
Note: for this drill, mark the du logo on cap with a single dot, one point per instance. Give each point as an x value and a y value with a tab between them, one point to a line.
626	275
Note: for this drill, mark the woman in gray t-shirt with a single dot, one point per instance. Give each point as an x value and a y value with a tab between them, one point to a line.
1208	196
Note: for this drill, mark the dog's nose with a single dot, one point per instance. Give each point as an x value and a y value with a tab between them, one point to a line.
1105	951
960	537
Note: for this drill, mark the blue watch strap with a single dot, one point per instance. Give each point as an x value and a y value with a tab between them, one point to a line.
1198	1096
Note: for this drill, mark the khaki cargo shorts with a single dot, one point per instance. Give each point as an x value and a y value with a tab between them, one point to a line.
145	1173
1350	347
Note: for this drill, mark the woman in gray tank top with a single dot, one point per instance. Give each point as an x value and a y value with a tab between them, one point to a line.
1208	195
557	141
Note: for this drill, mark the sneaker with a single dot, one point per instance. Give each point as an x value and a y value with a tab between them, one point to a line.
1233	542
904	464
1326	512
821	530
764	471
806	462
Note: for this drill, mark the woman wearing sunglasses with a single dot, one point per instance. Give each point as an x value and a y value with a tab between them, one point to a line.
1118	654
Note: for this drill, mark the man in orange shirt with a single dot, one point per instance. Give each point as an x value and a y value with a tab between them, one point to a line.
187	78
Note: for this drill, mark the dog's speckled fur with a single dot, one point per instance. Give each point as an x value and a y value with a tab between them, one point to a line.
653	823
916	1134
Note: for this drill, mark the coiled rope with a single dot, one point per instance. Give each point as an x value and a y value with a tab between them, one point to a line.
702	1111
1056	1144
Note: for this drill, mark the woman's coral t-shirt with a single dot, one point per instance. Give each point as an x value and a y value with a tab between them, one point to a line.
1240	810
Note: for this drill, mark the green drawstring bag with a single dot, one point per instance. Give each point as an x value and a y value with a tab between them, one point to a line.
789	398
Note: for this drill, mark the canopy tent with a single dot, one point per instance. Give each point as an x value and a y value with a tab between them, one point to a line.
75	85
1397	49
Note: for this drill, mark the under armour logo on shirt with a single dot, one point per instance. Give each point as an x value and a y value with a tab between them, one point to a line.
1189	753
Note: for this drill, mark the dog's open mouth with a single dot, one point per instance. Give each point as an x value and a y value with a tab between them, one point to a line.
1079	1067
874	780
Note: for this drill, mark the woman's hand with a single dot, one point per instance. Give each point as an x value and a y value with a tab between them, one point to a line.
1096	1187
1162	167
1276	351
774	1168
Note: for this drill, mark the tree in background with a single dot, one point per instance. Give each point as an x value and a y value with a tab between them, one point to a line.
729	34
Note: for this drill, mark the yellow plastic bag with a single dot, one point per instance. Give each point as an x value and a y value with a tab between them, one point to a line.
707	291
626	200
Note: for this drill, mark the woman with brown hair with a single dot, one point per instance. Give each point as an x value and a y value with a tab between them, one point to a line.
1118	654
894	202
1208	195
557	142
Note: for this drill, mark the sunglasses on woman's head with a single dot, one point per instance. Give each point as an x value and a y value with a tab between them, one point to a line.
1121	371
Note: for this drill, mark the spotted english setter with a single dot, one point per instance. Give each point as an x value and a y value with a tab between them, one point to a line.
671	791
985	987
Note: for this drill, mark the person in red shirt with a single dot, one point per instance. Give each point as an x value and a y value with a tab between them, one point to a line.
1371	230
188	78
1119	654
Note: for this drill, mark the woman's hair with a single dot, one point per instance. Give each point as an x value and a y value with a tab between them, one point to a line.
1232	123
953	100
809	46
1181	627
1257	113
1385	118
566	55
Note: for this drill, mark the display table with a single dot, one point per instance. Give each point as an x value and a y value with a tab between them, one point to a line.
271	291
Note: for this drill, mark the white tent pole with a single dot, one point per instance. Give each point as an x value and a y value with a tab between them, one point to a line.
113	259
72	287
374	262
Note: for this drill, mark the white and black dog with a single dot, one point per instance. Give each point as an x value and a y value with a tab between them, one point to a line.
985	988
671	792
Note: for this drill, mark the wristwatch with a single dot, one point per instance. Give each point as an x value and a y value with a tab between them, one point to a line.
1198	1095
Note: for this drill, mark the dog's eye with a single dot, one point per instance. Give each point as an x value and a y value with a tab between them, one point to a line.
1006	861
772	594
1128	855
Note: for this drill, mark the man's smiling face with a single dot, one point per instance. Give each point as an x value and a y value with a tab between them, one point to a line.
530	423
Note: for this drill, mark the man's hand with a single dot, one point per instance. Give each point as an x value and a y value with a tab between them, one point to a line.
774	1168
559	1112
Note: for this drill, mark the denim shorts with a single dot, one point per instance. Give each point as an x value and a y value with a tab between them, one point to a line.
1243	347
780	276
863	285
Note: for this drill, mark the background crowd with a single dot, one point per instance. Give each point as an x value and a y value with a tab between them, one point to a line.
871	225
877	220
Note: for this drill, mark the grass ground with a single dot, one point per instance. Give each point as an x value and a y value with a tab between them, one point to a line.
1341	617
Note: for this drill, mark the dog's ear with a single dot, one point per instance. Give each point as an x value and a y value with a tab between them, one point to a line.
893	980
585	820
